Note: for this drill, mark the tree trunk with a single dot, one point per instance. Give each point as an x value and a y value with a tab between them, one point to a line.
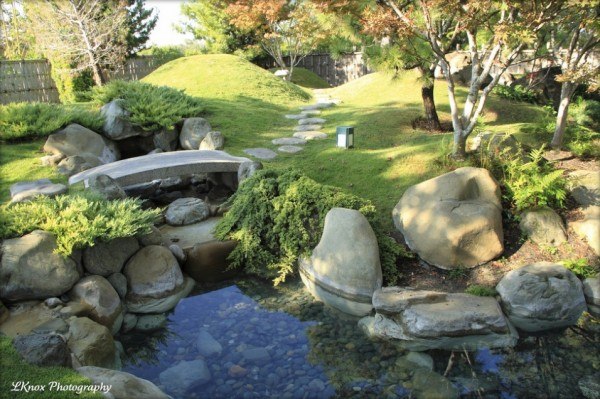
566	93
459	149
98	76
431	116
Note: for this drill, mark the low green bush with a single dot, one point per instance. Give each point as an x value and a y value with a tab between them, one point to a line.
278	216
580	267
516	93
585	112
77	220
22	121
480	290
152	108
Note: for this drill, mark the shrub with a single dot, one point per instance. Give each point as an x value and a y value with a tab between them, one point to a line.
77	220
583	142
586	112
534	183
277	217
516	93
152	108
20	121
580	267
480	290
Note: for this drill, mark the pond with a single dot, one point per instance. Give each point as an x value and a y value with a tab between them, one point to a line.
257	341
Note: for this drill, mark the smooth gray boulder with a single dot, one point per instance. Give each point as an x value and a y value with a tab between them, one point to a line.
261	153
192	133
184	376
186	211
30	269
106	258
123	385
150	322
453	220
103	300
90	343
213	141
119	283
422	320
247	169
497	144
107	187
27	190
116	122
588	227
541	296
584	186
78	140
591	291
344	269
74	164
590	386
154	237
155	281
166	140
207	346
51	160
543	226
43	349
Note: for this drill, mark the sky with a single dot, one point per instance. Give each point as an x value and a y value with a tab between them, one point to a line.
169	13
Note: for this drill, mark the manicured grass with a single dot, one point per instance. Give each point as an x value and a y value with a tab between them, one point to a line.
19	162
13	369
308	79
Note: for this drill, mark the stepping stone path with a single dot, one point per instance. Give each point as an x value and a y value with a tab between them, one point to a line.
26	190
289	141
261	153
307	129
290	149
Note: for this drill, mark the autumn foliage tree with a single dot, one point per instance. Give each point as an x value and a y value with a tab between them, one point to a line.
283	28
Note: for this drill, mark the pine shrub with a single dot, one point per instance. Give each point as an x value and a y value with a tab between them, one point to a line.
152	108
77	220
278	217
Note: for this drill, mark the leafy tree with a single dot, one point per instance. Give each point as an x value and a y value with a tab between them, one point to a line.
16	40
579	27
141	22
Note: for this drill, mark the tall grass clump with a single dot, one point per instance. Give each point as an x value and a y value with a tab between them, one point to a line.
26	121
77	220
150	107
276	217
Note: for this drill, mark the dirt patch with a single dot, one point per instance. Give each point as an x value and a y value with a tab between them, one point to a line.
420	123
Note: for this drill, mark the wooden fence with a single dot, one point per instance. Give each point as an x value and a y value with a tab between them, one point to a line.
30	80
334	71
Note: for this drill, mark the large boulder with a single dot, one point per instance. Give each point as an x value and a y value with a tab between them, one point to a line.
588	227
193	131
30	269
43	349
106	258
541	296
453	220
155	281
213	141
184	376
116	122
186	211
584	186
103	300
543	226
247	169
344	269
107	187
497	144
74	164
207	262
78	140
166	140
4	312
423	320
26	190
90	343
122	385
591	291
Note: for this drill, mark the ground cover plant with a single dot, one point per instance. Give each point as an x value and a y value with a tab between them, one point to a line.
150	107
77	220
27	121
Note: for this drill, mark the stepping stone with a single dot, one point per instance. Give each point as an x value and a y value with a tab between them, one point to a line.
261	153
288	141
299	116
311	121
328	100
290	149
313	112
316	106
26	190
304	128
310	135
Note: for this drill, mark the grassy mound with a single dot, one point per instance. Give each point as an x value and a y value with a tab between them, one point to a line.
227	77
305	78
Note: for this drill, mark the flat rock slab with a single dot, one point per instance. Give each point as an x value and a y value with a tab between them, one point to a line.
288	141
311	112
261	153
290	149
310	135
26	190
295	116
311	121
585	186
321	105
162	166
188	236
554	156
304	128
